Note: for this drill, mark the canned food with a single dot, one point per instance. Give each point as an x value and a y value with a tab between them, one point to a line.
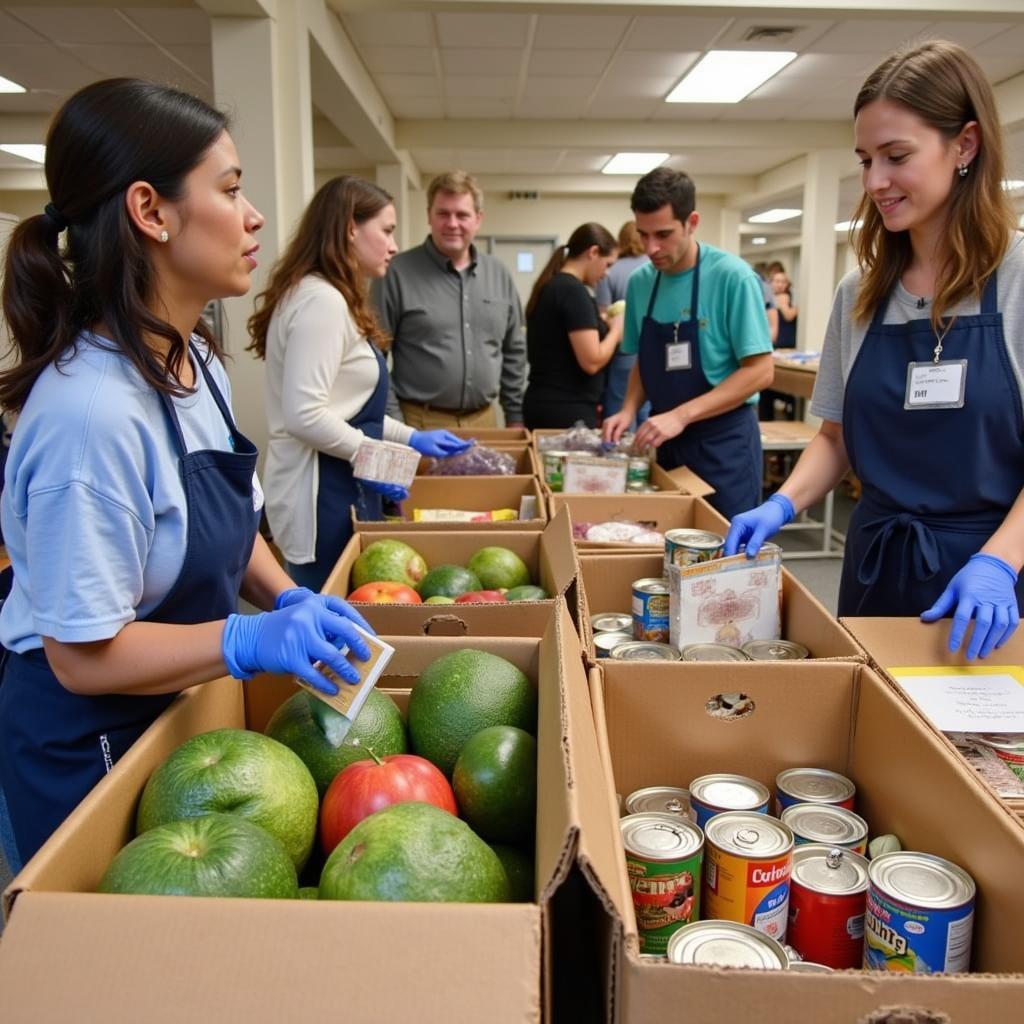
827	895
748	861
650	609
809	967
638	488
823	823
662	800
638	471
712	652
643	650
726	944
1009	748
611	622
775	650
714	794
605	643
554	468
688	547
920	915
812	786
663	861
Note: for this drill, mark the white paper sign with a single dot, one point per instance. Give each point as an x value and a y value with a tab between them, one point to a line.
987	698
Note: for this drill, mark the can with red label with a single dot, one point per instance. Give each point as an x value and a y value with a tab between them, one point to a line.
827	896
748	858
812	786
828	824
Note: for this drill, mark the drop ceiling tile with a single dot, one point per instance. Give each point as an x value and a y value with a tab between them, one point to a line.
198	59
501	31
618	109
481	62
570	63
487	88
576	162
400	60
559	88
823	65
797	90
43	66
394	85
579	31
172	26
133	61
14	31
806	31
30	102
430	158
78	24
653	62
834	108
680	32
759	110
635	87
967	33
687	111
416	107
869	35
389	28
1006	44
551	107
475	107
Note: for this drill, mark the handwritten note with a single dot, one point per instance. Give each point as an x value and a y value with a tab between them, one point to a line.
975	698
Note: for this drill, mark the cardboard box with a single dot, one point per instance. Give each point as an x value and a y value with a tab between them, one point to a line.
548	554
606	585
908	642
841	716
174	958
521	452
493	436
663	511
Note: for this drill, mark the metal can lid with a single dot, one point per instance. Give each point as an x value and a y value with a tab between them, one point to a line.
660	836
702	539
712	652
775	650
829	869
607	642
725	944
921	879
730	792
1008	742
611	622
651	585
810	967
825	823
815	785
644	650
749	835
662	800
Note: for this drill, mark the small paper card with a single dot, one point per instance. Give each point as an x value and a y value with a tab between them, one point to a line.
727	600
971	698
384	461
583	475
351	696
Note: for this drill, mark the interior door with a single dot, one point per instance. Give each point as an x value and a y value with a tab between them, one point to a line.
524	257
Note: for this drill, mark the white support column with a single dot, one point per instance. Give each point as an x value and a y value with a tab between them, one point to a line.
818	248
261	75
729	230
392	178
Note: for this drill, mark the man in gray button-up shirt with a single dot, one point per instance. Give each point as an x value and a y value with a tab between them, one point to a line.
455	319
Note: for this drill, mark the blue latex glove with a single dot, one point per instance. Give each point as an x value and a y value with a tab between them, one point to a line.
329	601
983	590
438	443
756	525
290	640
393	492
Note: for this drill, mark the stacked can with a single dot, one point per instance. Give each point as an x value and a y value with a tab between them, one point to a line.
650	609
812	786
643	650
726	944
688	547
824	823
661	800
610	629
714	794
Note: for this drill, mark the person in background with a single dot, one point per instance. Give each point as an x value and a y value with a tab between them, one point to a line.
455	320
919	387
131	500
610	290
568	342
696	317
327	381
787	314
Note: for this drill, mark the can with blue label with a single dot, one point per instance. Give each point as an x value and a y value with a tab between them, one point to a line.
920	915
650	609
715	794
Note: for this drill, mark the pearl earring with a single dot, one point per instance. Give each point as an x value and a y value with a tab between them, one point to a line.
962	170
165	237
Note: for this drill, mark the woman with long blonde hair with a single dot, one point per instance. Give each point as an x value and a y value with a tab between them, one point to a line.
920	382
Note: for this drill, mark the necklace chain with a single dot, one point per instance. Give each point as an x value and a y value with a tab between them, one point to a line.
940	338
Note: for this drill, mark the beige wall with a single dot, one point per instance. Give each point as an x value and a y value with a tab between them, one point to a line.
23	204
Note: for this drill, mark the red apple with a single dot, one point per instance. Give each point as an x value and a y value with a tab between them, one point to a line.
385	592
368	786
482	597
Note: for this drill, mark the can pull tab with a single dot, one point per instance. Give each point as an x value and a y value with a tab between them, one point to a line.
747	836
674	806
834	858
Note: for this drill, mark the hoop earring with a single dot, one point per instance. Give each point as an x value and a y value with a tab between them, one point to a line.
164	237
962	170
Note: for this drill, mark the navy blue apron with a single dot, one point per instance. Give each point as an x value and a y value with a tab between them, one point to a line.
55	745
936	483
339	491
726	449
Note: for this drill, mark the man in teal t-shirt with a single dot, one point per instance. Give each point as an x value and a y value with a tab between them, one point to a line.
695	315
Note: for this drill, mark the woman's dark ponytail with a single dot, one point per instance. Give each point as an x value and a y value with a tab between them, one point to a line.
579	242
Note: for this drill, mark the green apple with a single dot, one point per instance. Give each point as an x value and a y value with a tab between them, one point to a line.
439	599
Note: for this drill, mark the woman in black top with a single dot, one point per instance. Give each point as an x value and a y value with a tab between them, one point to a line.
568	343
782	290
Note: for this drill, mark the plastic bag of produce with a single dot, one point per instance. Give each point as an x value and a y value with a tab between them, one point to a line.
475	461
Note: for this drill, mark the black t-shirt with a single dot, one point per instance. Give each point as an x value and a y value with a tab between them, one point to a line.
564	305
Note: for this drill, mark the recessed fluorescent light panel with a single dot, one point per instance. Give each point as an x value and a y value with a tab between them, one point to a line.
774	216
6	85
727	76
845	225
1012	185
759	240
634	163
27	151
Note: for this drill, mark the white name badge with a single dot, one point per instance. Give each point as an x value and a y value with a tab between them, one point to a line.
677	356
936	385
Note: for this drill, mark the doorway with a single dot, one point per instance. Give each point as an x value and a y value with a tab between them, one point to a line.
525	257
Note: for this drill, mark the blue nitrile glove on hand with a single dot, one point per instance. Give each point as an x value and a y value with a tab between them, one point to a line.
290	640
983	590
333	603
393	492
756	525
438	443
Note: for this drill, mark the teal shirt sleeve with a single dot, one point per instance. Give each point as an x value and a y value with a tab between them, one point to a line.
747	323
638	294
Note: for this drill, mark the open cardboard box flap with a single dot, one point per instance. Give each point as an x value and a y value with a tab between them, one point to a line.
689	483
836	715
